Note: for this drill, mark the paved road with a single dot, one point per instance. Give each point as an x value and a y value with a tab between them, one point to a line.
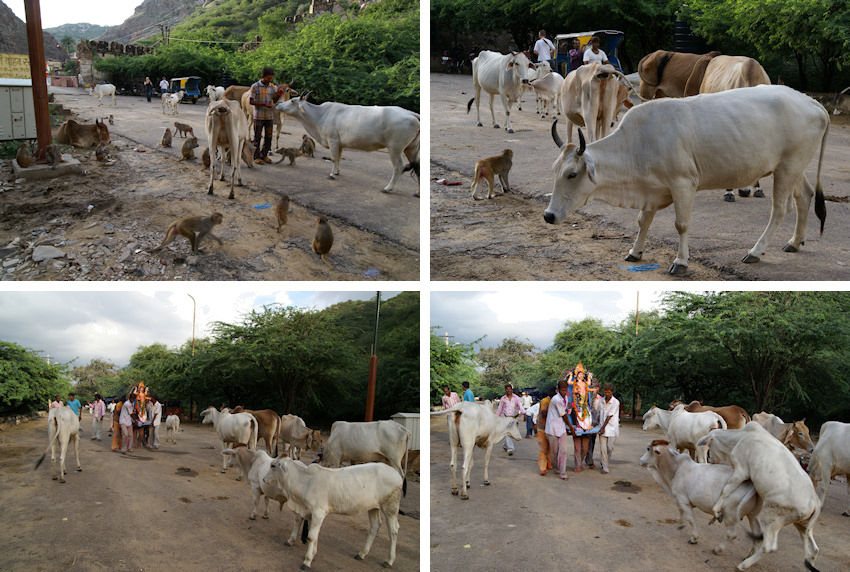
355	196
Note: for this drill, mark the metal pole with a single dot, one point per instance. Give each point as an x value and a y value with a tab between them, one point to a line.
194	307
637	312
373	365
35	45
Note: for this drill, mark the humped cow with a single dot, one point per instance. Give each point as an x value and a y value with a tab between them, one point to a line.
297	437
667	74
63	426
381	441
74	133
591	96
268	426
102	90
831	457
499	74
226	128
232	428
666	150
683	428
736	417
338	126
785	489
794	435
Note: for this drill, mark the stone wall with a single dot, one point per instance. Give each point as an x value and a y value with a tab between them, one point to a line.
6	422
87	49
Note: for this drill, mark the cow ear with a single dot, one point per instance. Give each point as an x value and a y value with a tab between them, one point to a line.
591	168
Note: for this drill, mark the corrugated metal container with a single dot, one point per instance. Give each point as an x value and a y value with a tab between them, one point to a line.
17	110
409	421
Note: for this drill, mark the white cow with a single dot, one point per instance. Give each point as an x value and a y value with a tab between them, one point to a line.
338	126
62	425
172	428
547	89
473	424
226	128
692	484
232	428
786	491
535	71
297	437
591	96
793	435
102	90
498	74
831	457
215	93
171	101
666	150
683	428
256	465
314	492
382	441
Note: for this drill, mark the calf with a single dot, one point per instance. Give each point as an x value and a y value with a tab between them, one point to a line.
63	426
296	436
698	485
215	93
74	133
314	492
256	465
831	457
547	89
172	427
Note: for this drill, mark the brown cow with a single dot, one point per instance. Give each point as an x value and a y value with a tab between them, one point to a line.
268	426
726	72
79	135
793	435
234	92
666	74
734	416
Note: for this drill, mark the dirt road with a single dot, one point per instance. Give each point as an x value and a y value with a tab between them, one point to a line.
108	220
170	509
593	522
506	239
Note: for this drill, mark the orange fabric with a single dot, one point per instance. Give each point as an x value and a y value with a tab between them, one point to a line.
543	460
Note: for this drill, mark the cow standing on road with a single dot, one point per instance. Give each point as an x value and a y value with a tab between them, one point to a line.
498	74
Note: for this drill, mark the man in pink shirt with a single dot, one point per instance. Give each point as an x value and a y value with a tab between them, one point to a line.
450	398
509	406
98	411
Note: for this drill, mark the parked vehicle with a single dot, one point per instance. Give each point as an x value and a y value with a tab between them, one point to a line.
190	85
609	41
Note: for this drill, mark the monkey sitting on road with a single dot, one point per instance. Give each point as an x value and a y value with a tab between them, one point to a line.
53	154
101	153
308	146
187	149
486	168
194	228
166	138
205	159
281	210
23	157
324	238
289	152
183	129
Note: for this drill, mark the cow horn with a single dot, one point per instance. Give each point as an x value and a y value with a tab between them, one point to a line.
581	143
558	141
304	97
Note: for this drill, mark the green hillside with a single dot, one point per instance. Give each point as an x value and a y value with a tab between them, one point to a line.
235	19
77	31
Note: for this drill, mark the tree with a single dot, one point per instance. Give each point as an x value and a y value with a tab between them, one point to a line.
67	43
452	363
28	381
90	378
501	362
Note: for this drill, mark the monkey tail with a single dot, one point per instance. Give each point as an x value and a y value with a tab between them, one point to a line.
325	260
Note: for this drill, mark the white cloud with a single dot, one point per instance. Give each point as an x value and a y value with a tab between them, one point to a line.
514	307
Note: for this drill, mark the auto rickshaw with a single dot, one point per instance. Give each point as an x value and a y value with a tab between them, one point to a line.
187	84
609	41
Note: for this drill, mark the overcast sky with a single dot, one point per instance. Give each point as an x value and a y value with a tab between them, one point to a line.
57	12
535	314
112	325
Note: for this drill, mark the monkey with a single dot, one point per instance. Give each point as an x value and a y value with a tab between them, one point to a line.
23	156
53	154
289	152
205	158
194	228
183	129
308	146
101	153
486	168
166	138
187	149
111	122
324	238
281	210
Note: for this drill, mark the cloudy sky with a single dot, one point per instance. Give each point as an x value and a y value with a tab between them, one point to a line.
529	314
111	325
57	12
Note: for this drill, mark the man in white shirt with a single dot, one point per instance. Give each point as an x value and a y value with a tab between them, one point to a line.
163	86
545	49
525	400
156	413
556	429
610	407
98	411
509	406
593	53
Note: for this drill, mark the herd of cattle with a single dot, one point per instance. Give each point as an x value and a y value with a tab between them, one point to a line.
375	485
708	122
755	469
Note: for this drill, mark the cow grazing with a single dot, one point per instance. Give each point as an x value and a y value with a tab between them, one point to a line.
785	489
547	88
699	485
172	428
225	128
297	437
470	425
734	416
667	74
62	426
592	96
102	90
831	457
666	150
683	428
77	134
338	126
381	441
793	435
499	74
256	465
215	93
232	428
268	426
314	492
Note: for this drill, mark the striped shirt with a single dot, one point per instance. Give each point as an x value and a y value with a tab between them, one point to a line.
263	94
510	407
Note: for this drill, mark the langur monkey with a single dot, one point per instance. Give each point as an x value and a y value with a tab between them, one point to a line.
194	228
281	210
486	168
324	238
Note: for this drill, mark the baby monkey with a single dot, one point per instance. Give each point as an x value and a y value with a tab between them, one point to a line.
324	238
281	211
24	157
195	228
308	146
487	168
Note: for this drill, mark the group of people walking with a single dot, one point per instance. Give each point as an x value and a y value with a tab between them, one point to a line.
136	421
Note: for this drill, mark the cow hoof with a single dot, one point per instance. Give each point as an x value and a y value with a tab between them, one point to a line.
486	483
388	191
387	565
253	517
632	258
845	513
331	177
759	194
79	469
265	516
454	492
480	124
62	480
55	477
358	557
717	551
789	248
510	130
729	198
464	497
719	517
223	470
750	259
495	126
743	192
691	541
678	269
305	567
288	543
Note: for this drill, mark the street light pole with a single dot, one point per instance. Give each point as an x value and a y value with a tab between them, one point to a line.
194	306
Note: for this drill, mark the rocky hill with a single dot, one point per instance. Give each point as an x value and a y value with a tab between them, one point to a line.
13	37
148	17
77	31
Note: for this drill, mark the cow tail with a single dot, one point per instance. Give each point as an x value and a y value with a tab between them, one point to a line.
469	105
820	204
276	434
305	530
55	436
254	433
661	65
406	462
